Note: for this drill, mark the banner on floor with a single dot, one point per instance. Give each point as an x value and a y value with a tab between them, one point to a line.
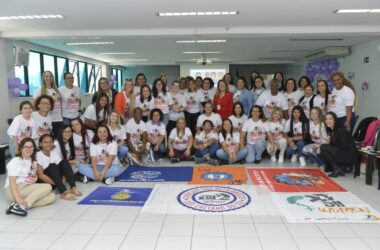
332	207
209	175
294	180
117	196
198	199
155	174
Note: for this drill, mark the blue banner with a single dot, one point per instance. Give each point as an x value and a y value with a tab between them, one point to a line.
117	196
156	174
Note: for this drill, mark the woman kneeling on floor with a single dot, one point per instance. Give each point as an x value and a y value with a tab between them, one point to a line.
20	185
180	142
206	144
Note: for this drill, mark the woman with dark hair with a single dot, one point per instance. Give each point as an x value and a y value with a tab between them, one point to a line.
82	138
273	99
156	132
302	83
211	116
64	147
322	99
238	118
104	88
52	169
229	140
198	82
307	101
104	163
341	152
97	113
258	88
193	108
297	134
253	135
183	86
254	74
162	99
145	101
229	80
207	90
291	94
206	144
42	119
178	105
140	80
20	184
243	95
280	76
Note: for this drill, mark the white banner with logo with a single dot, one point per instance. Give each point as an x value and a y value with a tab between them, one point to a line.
208	199
331	207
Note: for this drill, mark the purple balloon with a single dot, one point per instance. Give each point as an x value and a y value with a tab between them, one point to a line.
23	86
15	92
17	80
12	84
112	82
113	77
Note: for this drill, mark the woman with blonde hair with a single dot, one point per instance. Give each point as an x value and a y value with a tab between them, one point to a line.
49	87
275	133
125	102
119	135
223	100
180	142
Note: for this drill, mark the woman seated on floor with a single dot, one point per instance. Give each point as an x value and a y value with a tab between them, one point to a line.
180	142
206	144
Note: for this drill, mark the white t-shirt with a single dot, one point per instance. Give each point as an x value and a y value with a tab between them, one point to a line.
56	113
193	102
162	102
305	104
155	131
299	93
45	160
231	141
178	101
340	99
57	150
102	150
236	96
318	134
146	105
207	95
24	170
237	123
180	141
135	130
22	128
202	137
258	92
319	101
90	113
232	88
297	128
268	102
70	101
276	128
214	118
78	144
255	131
118	134
44	124
292	99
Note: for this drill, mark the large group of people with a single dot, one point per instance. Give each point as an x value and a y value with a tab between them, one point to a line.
54	144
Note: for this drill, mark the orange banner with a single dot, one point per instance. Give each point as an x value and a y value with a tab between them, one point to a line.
210	175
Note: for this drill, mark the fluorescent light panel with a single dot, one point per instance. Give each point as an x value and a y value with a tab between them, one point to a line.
353	11
118	53
89	43
201	41
314	39
198	13
134	60
29	17
202	52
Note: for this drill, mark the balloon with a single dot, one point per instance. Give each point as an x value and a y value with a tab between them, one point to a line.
17	81
112	82
15	92
23	86
12	84
113	77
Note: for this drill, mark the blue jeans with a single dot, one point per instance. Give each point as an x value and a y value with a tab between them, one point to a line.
86	170
11	147
298	150
122	152
342	120
210	151
310	150
165	119
254	151
161	149
223	156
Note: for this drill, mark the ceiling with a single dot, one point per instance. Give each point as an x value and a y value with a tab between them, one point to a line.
259	34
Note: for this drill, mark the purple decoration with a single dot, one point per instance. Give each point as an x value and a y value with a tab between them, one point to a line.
12	83
324	67
15	92
17	81
112	82
23	86
113	77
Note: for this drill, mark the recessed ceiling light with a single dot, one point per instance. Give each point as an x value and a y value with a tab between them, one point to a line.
353	11
201	41
29	17
118	53
134	60
314	39
202	52
89	43
198	13
289	50
374	11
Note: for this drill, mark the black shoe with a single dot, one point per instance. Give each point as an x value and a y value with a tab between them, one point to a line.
17	209
337	172
174	160
347	169
257	161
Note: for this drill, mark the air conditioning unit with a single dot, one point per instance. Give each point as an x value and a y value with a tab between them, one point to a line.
328	53
21	56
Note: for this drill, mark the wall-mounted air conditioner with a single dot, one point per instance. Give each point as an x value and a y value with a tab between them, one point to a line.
21	56
328	53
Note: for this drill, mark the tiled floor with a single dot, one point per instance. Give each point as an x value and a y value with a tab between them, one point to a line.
65	225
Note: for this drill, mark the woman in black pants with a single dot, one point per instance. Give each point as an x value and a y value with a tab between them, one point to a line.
54	170
341	152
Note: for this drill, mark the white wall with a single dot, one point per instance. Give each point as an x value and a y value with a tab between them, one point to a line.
4	98
186	67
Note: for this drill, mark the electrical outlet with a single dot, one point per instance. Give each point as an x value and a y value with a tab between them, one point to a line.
366	59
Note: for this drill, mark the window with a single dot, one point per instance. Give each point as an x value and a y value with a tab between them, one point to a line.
98	75
34	72
61	70
20	73
82	76
48	62
118	79
73	68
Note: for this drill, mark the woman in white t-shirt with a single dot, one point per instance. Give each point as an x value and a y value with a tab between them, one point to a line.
145	101
211	116
22	126
20	186
42	119
49	87
104	163
342	100
307	101
70	99
119	135
302	83
291	94
180	142
206	144
238	118
230	151
137	138
97	113
82	139
207	91
272	99
156	132
162	99
140	81
178	105
318	135
52	169
193	108
258	88
275	133
253	135
322	99
297	135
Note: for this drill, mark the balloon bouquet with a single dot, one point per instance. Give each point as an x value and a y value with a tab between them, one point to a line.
15	86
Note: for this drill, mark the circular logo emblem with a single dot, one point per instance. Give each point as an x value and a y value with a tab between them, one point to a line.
216	176
145	175
124	194
213	199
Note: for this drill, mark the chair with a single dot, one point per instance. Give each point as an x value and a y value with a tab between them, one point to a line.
371	158
362	128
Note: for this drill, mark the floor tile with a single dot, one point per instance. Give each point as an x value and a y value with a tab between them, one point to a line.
177	228
115	227
10	240
366	230
304	230
38	241
145	228
207	230
209	243
240	230
179	218
84	227
348	244
96	214
240	243
278	243
373	243
139	243
264	219
149	217
102	242
123	214
207	219
25	226
71	241
272	230
237	219
54	226
173	243
313	244
336	230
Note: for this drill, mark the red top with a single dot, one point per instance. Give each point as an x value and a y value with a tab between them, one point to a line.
223	106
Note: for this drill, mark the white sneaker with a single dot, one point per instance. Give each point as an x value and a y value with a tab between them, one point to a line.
281	159
109	180
302	161
294	158
273	158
